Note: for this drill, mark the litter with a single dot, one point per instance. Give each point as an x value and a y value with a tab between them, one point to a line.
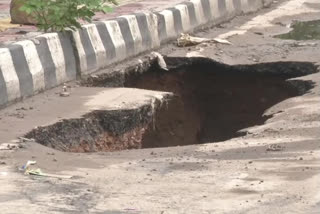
275	148
187	40
24	139
5	24
64	92
9	146
38	172
26	166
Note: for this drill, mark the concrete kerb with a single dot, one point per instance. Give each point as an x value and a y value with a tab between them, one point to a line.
31	66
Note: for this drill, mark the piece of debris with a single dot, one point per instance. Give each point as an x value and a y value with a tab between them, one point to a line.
26	166
194	54
222	41
162	64
187	40
38	172
275	148
3	173
24	139
64	92
8	146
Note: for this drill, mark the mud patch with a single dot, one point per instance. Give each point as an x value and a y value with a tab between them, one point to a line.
213	102
303	31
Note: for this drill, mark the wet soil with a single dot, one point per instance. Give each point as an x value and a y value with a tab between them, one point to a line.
309	30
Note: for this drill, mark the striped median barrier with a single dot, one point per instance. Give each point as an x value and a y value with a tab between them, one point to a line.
32	66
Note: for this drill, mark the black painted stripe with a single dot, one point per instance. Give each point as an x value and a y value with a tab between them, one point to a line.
162	29
22	70
192	13
237	5
127	36
69	56
222	7
3	90
144	30
177	20
252	3
88	49
106	40
206	9
50	78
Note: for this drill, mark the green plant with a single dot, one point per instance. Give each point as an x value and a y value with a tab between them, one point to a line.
56	15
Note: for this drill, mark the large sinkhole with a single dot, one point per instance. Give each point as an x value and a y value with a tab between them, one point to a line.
213	102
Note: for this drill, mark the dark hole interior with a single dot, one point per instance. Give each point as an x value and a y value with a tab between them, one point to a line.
213	102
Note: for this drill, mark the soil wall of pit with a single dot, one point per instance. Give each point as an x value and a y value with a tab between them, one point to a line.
213	102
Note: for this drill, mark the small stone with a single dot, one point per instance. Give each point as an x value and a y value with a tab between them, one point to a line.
55	160
64	94
250	162
300	158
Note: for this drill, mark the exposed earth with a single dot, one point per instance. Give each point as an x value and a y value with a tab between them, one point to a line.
270	166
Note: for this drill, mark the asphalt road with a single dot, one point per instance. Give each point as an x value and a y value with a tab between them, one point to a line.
235	176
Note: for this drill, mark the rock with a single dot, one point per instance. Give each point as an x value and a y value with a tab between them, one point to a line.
64	94
17	16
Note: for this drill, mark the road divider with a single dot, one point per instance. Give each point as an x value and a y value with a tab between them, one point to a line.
32	66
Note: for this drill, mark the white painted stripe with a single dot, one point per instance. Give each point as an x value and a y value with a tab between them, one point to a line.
135	32
199	11
34	64
168	17
152	21
9	74
80	51
184	16
97	44
215	9
117	39
57	56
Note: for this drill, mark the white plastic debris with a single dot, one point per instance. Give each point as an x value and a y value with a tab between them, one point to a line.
162	64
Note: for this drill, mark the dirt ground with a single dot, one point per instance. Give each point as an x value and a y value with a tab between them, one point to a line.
272	169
